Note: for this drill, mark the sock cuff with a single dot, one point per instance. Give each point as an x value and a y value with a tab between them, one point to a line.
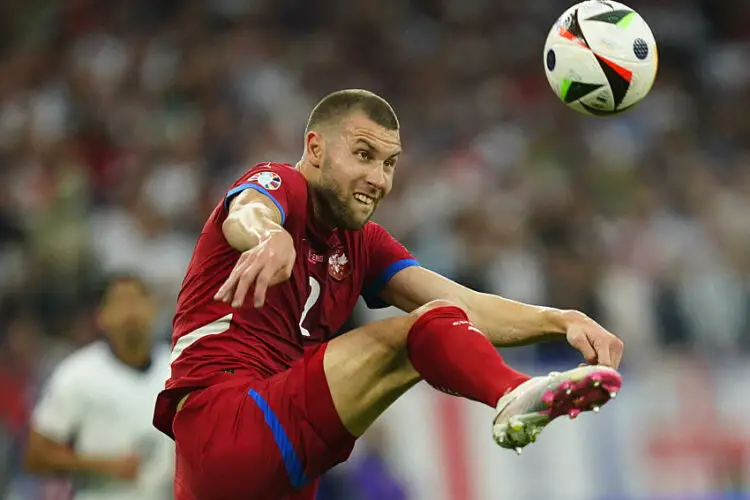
441	312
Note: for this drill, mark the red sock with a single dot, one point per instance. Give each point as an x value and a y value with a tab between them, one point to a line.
454	357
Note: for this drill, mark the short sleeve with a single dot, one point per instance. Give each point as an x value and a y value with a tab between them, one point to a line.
386	256
59	411
283	184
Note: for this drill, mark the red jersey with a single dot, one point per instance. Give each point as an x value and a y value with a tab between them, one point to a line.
211	340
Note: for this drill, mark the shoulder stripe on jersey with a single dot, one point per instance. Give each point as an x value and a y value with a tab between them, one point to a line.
220	325
234	192
372	291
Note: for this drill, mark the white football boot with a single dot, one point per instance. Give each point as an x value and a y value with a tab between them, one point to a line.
523	412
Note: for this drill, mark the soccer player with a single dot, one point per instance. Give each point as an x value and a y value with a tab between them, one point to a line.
92	422
262	399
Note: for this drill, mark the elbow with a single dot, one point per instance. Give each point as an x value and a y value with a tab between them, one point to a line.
37	454
32	460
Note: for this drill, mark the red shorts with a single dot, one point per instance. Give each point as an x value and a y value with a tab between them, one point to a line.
260	439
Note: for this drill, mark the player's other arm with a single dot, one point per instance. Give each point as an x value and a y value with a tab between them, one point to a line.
505	322
254	227
45	456
57	418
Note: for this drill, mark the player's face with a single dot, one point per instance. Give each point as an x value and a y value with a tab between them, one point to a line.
357	170
127	314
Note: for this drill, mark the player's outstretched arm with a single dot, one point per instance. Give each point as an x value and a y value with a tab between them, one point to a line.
45	456
506	322
253	227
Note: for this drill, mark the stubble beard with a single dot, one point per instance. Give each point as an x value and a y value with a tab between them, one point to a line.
335	204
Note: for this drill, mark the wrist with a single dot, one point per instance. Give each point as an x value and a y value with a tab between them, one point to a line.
556	320
275	231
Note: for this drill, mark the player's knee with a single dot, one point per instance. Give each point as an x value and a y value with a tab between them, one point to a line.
436	310
395	335
431	306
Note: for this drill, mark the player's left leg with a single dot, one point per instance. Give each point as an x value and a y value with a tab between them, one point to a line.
318	407
370	367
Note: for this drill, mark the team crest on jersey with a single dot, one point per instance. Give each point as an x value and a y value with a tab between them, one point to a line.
267	180
339	266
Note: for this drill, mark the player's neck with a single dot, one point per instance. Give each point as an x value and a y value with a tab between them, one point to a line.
322	218
321	215
140	361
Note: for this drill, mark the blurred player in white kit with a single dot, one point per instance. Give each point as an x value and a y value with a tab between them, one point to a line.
93	420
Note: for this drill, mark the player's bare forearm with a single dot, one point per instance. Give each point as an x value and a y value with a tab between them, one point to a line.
505	322
509	323
252	219
46	457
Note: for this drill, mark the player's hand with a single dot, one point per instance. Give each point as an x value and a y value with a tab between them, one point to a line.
267	264
125	468
598	346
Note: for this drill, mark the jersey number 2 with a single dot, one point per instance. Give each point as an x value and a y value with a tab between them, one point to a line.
311	300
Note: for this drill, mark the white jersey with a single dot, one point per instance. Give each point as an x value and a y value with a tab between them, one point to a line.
103	408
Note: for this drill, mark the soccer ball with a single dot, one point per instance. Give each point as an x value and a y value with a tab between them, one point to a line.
600	58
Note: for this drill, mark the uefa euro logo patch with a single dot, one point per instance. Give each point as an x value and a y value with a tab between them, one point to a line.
267	180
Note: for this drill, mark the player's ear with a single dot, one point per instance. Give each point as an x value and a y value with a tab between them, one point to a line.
314	148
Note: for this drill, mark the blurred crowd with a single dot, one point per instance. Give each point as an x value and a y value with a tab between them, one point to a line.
122	124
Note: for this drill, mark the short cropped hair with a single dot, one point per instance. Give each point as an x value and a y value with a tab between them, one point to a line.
343	102
114	279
